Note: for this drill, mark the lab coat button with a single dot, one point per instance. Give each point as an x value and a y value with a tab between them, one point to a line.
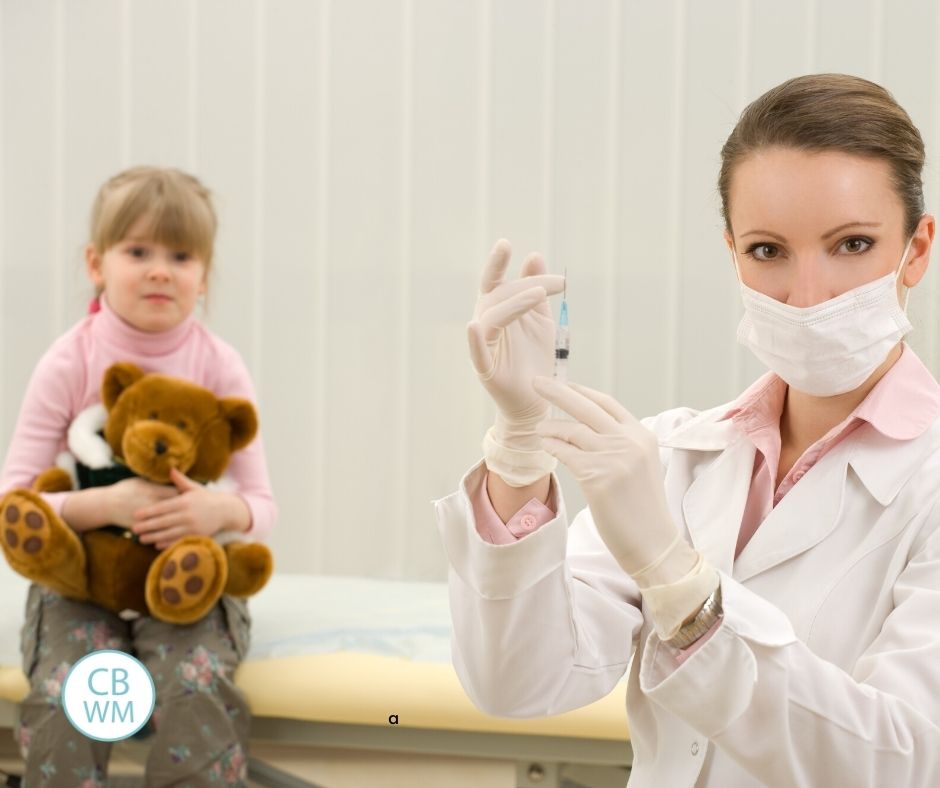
695	748
527	521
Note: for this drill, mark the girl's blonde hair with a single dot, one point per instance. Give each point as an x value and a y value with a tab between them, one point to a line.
831	112
177	206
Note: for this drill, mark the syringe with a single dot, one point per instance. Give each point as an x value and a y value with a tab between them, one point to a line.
562	347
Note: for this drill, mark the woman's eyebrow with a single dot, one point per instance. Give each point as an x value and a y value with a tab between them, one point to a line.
824	235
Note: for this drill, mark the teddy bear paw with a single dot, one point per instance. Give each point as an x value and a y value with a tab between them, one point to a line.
186	581
25	529
40	546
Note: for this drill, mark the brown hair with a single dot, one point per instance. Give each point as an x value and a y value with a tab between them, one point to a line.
177	205
820	112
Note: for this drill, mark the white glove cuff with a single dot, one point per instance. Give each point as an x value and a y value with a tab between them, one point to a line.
670	605
516	467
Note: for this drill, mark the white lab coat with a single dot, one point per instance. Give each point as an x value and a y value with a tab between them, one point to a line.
825	670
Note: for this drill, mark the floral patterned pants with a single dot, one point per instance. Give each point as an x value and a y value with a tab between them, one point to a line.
199	727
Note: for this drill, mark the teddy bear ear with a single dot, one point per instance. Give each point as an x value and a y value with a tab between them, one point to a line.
242	420
117	378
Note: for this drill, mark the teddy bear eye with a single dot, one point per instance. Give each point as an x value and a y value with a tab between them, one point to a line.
181	425
154	415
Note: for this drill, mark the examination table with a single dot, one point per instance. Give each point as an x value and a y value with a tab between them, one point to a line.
355	670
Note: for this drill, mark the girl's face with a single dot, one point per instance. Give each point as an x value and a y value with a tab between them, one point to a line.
811	226
148	285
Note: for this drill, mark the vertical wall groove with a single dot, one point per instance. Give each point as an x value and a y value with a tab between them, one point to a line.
932	295
5	427
126	81
671	370
58	195
615	66
483	122
484	100
744	92
192	93
321	299
548	134
812	26
257	316
877	40
404	431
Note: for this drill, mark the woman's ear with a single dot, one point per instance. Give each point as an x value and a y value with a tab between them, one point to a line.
93	266
919	256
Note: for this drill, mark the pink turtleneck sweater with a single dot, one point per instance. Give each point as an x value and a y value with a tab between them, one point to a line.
68	378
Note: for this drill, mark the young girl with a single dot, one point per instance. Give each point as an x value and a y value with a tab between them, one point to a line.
771	566
150	255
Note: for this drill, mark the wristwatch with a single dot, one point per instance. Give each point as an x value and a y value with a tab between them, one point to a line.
688	633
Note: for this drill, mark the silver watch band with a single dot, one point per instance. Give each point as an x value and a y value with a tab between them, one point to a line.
711	611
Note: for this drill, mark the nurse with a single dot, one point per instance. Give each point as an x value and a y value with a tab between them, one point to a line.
771	565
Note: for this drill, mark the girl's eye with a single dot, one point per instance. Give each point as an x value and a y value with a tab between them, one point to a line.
137	251
181	257
856	245
762	251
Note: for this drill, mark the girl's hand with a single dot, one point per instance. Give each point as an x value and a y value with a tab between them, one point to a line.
191	509
125	497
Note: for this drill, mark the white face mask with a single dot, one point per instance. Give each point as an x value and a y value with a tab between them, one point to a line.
830	348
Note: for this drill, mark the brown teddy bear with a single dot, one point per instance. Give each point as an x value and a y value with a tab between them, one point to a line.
151	423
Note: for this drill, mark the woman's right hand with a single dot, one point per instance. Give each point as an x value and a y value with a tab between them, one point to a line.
128	496
512	334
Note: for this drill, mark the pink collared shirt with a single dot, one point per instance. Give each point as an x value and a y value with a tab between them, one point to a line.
900	406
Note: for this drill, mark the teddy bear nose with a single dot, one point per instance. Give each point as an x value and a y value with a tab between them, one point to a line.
159	447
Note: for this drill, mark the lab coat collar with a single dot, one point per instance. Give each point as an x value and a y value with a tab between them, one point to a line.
704	432
884	464
807	514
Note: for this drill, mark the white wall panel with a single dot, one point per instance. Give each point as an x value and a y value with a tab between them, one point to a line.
291	364
92	133
646	201
910	69
31	116
159	74
365	287
365	155
228	68
706	299
446	410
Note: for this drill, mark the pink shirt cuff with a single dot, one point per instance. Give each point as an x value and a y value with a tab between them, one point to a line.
684	653
524	522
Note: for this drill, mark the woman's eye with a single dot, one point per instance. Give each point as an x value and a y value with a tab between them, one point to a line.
856	245
763	251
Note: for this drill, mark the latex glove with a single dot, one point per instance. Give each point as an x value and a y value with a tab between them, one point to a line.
512	339
615	460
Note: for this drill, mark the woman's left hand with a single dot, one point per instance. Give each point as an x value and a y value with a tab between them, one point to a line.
196	510
616	461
